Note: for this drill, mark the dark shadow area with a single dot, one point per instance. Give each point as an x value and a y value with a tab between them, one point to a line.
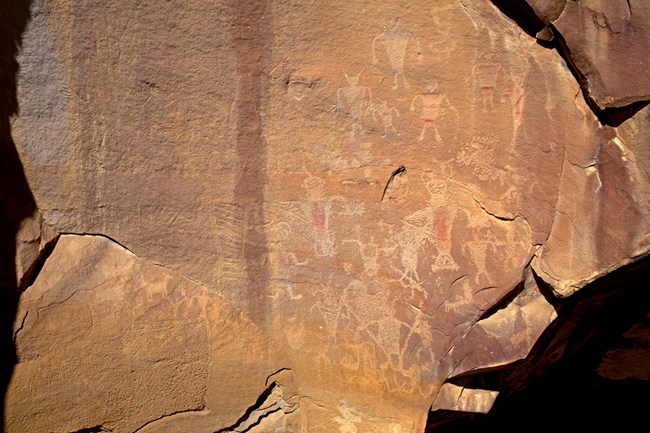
503	302
590	370
522	14
616	116
492	379
16	200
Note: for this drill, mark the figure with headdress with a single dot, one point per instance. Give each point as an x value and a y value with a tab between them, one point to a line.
396	42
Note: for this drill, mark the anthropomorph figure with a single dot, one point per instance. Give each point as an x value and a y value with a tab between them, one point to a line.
431	103
318	210
352	102
385	113
395	41
486	74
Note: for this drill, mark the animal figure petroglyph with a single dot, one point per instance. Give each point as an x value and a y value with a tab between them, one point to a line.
385	113
396	42
352	102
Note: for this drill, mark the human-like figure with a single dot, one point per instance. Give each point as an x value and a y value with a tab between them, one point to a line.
486	75
352	102
396	42
431	102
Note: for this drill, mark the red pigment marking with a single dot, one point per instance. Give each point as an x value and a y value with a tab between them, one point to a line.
441	228
318	216
518	107
284	260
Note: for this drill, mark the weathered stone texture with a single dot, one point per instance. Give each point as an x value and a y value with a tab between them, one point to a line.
609	43
369	195
106	339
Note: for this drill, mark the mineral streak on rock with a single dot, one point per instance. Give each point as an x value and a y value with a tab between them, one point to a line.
312	217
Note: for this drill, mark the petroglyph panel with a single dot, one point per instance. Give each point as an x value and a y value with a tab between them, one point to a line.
362	179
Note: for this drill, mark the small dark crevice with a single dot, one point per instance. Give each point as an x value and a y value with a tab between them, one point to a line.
618	115
521	13
258	403
399	170
503	302
491	379
546	291
96	429
32	273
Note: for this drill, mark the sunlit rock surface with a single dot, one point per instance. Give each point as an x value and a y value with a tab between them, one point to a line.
371	199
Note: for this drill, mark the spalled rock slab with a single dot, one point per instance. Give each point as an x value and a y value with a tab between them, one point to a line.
507	334
609	43
547	10
458	398
33	240
107	339
603	213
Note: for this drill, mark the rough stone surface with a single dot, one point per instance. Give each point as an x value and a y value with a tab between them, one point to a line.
379	193
33	239
609	43
107	339
454	397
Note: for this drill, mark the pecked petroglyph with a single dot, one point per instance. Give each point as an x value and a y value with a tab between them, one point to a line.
396	42
431	105
352	102
382	112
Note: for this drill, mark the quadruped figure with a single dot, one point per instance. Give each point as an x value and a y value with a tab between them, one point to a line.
384	112
352	101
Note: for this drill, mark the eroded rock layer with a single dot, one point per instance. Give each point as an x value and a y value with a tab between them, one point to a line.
308	216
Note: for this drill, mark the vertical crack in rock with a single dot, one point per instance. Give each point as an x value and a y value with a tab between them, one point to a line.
254	47
96	429
521	13
32	273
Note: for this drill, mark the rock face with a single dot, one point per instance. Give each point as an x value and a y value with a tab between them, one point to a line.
608	41
134	346
310	217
